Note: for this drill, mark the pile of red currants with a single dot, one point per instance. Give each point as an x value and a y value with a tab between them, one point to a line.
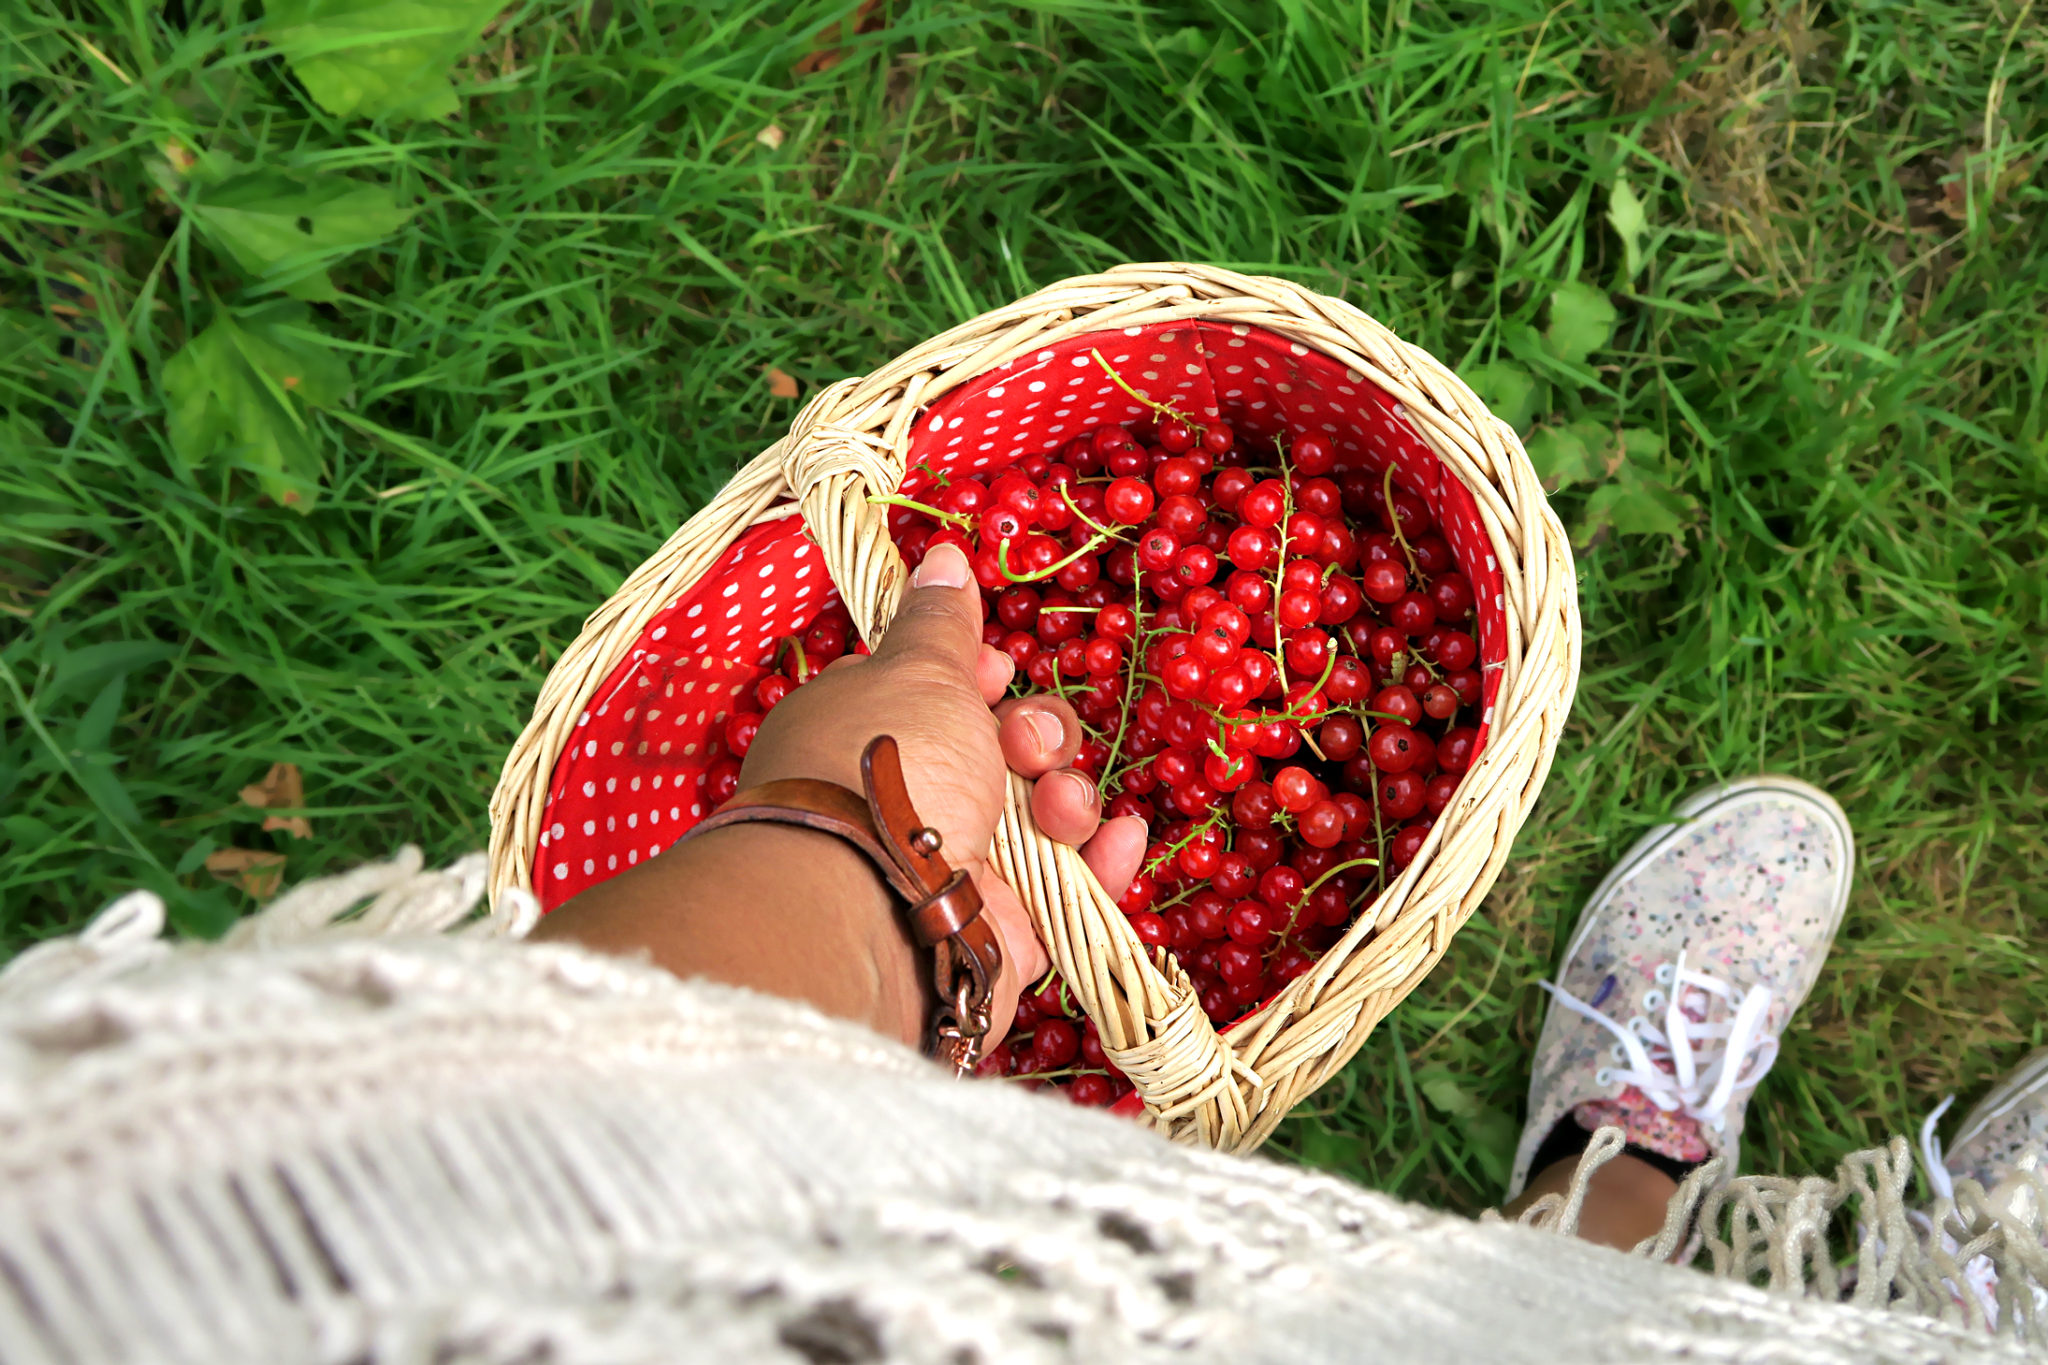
1273	656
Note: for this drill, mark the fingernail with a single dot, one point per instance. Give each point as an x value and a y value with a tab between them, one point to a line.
944	567
1090	796
1144	829
1046	728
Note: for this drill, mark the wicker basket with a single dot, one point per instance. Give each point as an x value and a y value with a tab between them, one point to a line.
696	621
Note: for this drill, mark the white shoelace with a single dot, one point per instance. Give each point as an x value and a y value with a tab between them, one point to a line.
1694	1066
1932	1161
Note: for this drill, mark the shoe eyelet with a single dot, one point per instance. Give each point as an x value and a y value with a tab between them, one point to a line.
1664	973
1618	1053
1654	1000
1603	1078
1638	1025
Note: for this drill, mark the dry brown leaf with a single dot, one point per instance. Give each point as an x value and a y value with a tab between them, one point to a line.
255	872
282	788
826	54
781	384
771	137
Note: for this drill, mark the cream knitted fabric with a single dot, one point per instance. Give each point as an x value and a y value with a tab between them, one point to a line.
397	1149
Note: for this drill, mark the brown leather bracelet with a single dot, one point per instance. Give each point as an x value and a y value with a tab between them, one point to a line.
942	909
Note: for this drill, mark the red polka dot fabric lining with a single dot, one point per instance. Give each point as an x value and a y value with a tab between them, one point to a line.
631	782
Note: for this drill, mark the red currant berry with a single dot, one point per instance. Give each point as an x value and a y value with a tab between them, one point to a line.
1340	738
1437	795
1399	703
1263	504
1322	825
1252	807
1054	1043
772	689
1304	532
1411	614
1341	601
1117	622
1261	847
721	781
1238	964
1412	513
1281	886
1383	580
1297	609
1349	682
1017	608
1357	817
1253	548
1293	962
1403	847
1301	575
1465	682
1308	653
1128	501
1455	752
1457	651
1295	789
1217	439
1401	795
1156	549
966	498
1185	677
1452	595
1194	566
1252	923
1432	554
1393	748
1439	702
1319	496
1312	454
1080	575
1229	488
740	730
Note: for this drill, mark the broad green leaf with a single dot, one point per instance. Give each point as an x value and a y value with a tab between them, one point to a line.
1562	456
1581	321
1630	223
280	229
1508	390
243	387
377	57
1640	505
1643	446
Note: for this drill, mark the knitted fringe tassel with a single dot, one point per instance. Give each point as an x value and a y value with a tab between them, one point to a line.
1969	1259
403	897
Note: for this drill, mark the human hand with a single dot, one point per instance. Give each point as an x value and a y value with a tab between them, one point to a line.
932	685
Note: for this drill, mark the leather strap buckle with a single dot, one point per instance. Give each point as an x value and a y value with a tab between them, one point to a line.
941	907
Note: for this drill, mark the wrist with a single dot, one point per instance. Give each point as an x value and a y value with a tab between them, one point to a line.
787	911
822	899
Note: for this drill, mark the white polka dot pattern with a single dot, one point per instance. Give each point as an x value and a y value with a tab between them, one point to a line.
660	714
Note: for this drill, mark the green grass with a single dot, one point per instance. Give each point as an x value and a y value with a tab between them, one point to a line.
1836	330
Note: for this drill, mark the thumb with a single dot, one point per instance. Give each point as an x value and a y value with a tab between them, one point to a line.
939	621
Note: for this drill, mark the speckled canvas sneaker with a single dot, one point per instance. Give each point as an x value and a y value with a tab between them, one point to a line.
2002	1144
2007	1126
1687	964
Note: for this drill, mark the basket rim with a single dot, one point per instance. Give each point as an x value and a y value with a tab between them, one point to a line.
1229	1089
